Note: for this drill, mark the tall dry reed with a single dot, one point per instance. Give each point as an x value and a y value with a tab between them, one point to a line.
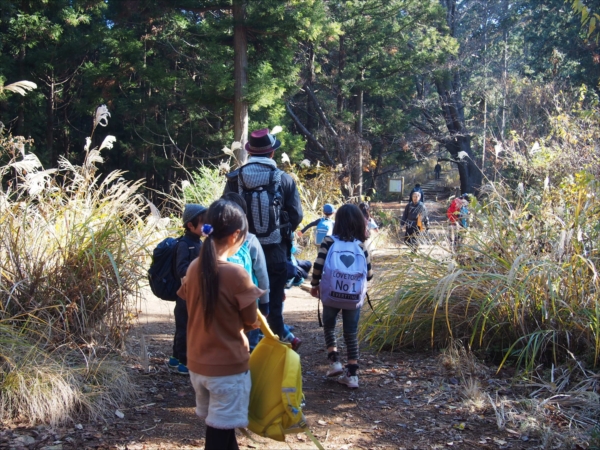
523	285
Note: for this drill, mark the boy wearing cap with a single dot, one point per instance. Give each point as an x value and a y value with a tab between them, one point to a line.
187	249
324	224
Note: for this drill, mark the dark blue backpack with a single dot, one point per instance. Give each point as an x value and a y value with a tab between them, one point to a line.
161	274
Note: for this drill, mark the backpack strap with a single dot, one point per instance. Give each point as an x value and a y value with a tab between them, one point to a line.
372	309
319	312
289	386
241	175
174	259
305	429
265	328
313	438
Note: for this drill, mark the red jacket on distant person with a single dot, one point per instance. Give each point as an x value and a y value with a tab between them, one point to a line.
453	211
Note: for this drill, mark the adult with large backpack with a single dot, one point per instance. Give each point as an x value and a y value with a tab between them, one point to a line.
274	213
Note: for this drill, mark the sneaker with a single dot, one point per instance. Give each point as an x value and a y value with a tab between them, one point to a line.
296	342
335	368
182	369
173	363
349	380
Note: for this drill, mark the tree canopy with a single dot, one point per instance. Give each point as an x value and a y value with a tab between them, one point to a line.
370	84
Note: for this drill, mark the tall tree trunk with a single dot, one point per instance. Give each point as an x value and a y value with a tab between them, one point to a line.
485	105
311	122
240	105
504	73
458	143
341	67
375	174
50	149
357	178
449	90
21	108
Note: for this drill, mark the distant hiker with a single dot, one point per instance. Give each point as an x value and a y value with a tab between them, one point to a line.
340	275
418	189
457	214
415	219
324	224
463	216
252	258
371	225
437	170
221	301
274	212
187	249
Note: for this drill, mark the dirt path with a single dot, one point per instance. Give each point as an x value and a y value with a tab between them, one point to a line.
405	401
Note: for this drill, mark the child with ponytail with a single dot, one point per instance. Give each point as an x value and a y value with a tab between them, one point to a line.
221	303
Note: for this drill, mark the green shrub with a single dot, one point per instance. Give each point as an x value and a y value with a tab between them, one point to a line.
206	185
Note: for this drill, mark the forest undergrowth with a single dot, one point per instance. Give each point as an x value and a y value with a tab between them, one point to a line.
521	290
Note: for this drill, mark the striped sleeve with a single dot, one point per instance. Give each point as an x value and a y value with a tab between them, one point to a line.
320	261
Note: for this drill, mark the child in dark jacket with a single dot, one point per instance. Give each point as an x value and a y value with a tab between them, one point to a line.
187	249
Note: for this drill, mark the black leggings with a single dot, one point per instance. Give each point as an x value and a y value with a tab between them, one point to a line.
410	237
217	439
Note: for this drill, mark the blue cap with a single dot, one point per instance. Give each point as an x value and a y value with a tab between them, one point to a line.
328	208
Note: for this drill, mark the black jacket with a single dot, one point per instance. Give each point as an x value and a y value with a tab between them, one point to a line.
411	212
188	249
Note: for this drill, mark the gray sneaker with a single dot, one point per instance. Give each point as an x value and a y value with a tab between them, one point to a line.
349	380
335	369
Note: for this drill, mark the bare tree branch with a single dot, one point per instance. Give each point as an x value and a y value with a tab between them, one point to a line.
319	110
308	135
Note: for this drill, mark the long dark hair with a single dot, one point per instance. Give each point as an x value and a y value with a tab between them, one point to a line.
225	218
364	208
236	198
350	223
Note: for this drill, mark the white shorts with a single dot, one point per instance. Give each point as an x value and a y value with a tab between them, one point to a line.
223	401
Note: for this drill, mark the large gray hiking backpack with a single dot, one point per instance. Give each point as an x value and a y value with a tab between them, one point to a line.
260	185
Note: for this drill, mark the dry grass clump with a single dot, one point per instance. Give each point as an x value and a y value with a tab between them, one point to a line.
458	362
73	253
38	387
566	397
523	284
72	243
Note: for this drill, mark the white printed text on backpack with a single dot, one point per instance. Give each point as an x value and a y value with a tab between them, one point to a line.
344	279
